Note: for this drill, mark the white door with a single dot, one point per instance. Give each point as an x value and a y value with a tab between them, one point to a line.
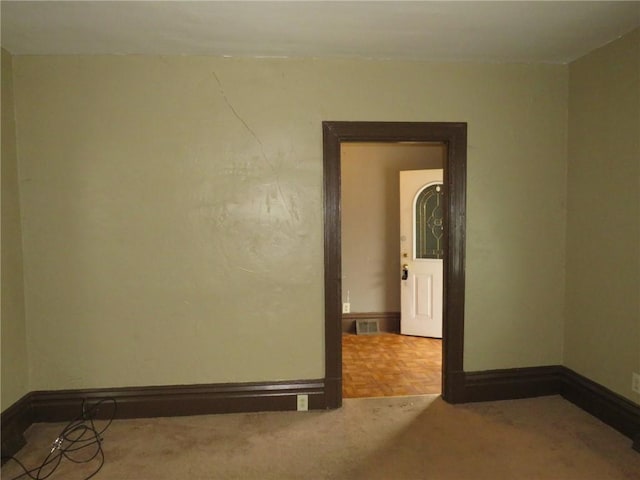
421	244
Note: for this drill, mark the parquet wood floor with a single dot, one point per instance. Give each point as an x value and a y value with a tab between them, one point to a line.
388	364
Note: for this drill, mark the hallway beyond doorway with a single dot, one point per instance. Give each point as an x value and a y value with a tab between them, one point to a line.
389	364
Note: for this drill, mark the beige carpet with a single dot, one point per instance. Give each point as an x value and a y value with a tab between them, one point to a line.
381	438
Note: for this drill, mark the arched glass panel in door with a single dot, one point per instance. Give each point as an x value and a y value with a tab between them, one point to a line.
429	223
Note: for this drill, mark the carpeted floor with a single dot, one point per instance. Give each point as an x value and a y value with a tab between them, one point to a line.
419	437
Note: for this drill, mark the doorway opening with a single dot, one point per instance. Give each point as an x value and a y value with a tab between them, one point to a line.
392	316
453	136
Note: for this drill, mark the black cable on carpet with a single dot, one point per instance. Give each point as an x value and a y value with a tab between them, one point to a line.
79	442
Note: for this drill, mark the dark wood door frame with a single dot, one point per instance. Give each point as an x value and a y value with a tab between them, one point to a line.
454	136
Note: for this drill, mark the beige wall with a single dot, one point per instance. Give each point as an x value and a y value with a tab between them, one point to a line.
602	330
14	348
371	220
172	210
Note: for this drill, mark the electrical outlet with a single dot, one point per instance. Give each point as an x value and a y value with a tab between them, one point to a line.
635	382
346	307
303	403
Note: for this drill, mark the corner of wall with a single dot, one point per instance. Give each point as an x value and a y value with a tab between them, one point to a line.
602	155
15	372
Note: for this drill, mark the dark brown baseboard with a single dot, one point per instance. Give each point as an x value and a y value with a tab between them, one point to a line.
387	321
15	420
513	383
181	400
156	401
613	409
178	400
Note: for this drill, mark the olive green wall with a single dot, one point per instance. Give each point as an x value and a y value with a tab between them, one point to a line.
172	210
14	348
602	326
370	190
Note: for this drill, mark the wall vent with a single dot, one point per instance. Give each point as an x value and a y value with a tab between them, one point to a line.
367	327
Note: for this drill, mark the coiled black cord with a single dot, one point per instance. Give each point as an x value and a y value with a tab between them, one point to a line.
79	442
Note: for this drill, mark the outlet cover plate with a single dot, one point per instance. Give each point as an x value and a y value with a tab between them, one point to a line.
303	402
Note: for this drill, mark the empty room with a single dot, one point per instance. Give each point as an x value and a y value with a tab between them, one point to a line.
347	240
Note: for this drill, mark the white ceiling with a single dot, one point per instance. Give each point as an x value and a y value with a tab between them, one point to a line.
516	31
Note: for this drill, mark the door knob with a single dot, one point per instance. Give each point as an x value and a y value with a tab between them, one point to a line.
405	271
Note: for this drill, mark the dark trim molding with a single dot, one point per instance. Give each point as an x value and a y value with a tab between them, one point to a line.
512	383
177	400
157	401
454	136
180	400
613	409
387	321
15	420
